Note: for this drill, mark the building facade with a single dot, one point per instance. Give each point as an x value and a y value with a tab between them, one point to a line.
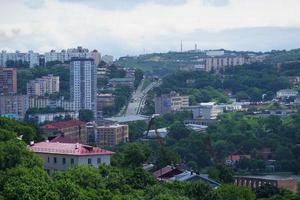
49	117
112	134
67	55
61	156
117	82
30	57
8	81
170	103
286	93
83	84
14	105
105	101
45	85
221	62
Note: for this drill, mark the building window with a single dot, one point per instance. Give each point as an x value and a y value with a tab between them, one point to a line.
54	159
89	161
72	161
98	160
48	159
63	161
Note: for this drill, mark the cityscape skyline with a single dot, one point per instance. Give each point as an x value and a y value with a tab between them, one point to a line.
118	29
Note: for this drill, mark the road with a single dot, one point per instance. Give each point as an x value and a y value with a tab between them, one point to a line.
138	98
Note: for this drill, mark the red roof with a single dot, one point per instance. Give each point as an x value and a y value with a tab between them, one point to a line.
165	170
62	139
63	124
67	149
237	157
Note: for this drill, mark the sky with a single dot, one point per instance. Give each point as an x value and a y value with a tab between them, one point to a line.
132	27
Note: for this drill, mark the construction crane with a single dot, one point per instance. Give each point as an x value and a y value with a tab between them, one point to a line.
152	126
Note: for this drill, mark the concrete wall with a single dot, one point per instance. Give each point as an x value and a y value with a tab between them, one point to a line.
50	166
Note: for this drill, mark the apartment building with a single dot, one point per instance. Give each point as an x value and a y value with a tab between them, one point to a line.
112	134
14	106
8	81
38	102
177	102
45	85
83	84
67	55
31	57
221	62
171	102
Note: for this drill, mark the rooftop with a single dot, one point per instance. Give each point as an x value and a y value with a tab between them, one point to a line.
67	149
62	139
122	79
63	124
128	118
165	170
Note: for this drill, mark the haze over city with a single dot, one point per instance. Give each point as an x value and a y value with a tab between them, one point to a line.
150	99
133	27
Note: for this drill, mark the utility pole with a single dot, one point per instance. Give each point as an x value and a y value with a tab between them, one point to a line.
181	46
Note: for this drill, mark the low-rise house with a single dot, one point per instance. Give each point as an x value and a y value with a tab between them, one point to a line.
178	173
264	153
61	156
208	110
75	129
235	158
196	127
192	176
167	172
286	93
162	132
105	101
293	79
117	82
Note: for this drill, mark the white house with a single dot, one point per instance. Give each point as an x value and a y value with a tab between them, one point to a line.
286	93
61	156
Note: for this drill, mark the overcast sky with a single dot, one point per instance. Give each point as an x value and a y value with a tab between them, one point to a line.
130	27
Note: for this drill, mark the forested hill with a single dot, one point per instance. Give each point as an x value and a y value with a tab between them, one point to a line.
247	82
162	63
284	56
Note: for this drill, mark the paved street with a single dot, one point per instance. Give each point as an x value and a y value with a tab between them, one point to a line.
138	98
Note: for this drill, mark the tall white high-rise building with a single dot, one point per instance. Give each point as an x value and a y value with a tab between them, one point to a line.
83	83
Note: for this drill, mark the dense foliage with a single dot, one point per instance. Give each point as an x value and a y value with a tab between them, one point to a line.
22	177
86	115
247	82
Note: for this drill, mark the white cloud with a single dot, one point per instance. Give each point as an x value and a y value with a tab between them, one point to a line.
156	25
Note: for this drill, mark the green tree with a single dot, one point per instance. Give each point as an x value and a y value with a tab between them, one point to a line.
235	193
221	173
27	183
266	191
178	131
135	155
86	115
